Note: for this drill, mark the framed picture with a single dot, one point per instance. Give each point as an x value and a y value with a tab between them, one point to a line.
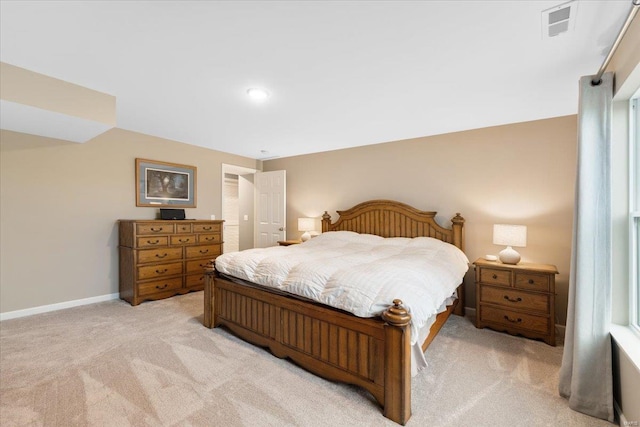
162	184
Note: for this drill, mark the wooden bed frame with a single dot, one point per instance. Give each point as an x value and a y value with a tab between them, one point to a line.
373	353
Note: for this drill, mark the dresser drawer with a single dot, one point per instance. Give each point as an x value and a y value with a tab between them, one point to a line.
195	280
152	241
159	255
495	276
534	282
203	251
514	299
155	228
183	239
156	286
197	265
183	228
209	238
514	319
206	228
160	270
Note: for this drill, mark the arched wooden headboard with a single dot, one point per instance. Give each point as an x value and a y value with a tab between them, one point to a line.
388	218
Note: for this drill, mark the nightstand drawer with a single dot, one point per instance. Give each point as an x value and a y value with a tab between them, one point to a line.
514	319
534	282
495	276
515	299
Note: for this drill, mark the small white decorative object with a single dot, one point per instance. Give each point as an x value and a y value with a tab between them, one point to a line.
306	225
510	235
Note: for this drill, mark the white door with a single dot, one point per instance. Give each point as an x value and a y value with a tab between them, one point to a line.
271	211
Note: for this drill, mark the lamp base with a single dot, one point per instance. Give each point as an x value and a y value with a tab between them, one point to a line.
509	256
305	236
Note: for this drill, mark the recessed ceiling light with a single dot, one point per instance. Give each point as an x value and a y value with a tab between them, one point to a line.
257	94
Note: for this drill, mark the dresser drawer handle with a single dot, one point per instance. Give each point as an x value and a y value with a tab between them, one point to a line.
495	276
531	281
156	230
149	242
164	270
162	287
201	278
204	252
183	241
207	228
518	320
209	239
511	299
161	256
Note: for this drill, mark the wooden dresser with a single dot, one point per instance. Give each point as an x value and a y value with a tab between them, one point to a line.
518	299
159	259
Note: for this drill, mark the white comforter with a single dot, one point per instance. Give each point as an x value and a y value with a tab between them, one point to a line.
358	273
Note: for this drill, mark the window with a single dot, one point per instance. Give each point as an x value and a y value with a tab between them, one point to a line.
634	213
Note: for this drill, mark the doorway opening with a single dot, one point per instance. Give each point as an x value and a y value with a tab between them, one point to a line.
237	207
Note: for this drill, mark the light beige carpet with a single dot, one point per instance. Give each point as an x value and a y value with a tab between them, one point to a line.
110	364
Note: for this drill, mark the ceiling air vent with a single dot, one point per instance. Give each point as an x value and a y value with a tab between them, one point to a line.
559	19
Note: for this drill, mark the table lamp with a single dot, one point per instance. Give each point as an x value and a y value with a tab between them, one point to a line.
510	235
306	225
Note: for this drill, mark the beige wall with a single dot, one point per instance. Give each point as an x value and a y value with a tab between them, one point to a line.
60	203
521	174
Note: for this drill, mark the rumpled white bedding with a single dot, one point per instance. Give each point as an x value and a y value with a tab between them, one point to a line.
358	273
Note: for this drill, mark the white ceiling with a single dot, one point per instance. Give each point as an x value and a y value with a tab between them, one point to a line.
341	74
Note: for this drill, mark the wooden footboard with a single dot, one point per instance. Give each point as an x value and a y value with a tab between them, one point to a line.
371	353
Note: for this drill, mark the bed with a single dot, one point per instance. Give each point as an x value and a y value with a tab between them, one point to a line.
373	353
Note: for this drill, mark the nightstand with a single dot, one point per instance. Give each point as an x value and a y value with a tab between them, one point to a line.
289	242
517	299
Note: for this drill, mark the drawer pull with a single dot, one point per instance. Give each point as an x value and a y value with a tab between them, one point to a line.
162	287
511	299
149	242
201	278
531	282
204	252
495	276
164	270
207	228
518	320
161	256
210	239
183	241
155	230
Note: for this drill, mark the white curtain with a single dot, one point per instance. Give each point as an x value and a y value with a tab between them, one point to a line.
585	376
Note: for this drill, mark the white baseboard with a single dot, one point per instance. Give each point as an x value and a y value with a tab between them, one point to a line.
621	418
59	306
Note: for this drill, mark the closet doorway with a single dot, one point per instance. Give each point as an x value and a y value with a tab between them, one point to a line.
237	207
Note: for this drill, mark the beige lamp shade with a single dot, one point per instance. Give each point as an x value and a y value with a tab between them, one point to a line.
306	225
510	235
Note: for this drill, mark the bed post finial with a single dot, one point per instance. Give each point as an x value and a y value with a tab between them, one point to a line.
326	221
396	315
457	225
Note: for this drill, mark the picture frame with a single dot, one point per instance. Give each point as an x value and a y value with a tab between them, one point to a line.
163	184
